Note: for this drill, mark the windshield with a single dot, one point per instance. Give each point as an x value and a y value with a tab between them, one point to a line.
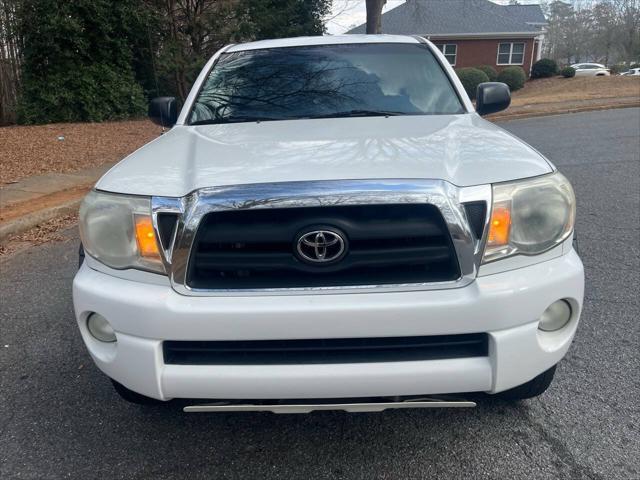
325	81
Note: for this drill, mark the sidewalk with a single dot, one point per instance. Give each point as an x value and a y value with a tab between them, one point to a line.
38	199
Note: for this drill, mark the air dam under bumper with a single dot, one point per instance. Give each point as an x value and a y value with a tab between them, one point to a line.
505	305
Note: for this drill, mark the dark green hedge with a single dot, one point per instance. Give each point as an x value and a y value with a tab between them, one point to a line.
491	72
514	77
544	68
471	78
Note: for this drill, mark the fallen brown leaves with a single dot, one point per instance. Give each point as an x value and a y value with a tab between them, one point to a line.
47	232
67	147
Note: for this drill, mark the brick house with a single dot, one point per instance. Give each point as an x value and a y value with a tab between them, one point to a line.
472	32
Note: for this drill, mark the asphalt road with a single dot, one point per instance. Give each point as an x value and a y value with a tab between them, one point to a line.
60	418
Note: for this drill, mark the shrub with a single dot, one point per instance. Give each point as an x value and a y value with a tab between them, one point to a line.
471	78
514	77
618	68
491	72
77	62
633	65
544	68
568	72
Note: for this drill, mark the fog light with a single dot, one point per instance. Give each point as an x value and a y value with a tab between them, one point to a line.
556	316
100	328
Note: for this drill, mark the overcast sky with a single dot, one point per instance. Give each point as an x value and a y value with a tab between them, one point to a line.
351	13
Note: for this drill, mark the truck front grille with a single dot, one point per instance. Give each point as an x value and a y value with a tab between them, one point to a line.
322	351
386	244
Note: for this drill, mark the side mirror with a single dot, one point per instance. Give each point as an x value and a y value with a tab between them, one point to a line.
492	97
164	111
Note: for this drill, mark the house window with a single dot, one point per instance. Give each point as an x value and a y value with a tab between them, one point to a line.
450	51
511	53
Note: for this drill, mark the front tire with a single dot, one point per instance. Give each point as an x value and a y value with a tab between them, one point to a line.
532	388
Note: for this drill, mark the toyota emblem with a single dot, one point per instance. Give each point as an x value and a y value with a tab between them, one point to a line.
321	246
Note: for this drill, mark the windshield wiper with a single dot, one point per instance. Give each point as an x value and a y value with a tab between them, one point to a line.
346	113
235	119
359	113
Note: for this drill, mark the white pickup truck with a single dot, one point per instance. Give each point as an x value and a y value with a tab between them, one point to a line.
329	224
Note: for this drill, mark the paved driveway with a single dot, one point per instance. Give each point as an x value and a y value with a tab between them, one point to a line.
59	417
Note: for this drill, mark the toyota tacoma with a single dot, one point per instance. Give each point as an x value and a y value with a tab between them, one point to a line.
329	224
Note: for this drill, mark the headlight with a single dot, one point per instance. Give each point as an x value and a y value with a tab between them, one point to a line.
117	230
530	216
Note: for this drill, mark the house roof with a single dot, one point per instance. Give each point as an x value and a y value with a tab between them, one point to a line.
526	13
459	17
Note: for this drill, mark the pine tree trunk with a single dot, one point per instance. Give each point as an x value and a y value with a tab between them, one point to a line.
9	62
374	15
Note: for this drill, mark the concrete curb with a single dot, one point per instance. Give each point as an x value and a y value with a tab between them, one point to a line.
41	191
593	108
34	219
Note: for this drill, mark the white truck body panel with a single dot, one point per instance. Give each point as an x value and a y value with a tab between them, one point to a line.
462	149
503	301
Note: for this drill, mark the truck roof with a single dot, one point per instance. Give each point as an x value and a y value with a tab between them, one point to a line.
321	40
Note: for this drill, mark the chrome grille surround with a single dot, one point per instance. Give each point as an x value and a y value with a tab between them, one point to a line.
448	198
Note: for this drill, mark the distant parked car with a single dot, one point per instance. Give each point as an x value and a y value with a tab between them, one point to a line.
635	72
591	70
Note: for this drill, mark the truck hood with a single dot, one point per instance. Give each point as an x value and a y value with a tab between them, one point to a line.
462	149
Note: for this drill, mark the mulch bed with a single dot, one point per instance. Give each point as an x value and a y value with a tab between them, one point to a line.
67	147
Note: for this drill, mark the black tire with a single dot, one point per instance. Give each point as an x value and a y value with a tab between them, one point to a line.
532	388
133	397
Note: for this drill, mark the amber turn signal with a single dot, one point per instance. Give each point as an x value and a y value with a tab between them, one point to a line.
500	225
146	237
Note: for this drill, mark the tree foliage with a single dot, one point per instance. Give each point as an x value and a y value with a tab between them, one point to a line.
183	35
78	61
262	19
94	60
606	31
